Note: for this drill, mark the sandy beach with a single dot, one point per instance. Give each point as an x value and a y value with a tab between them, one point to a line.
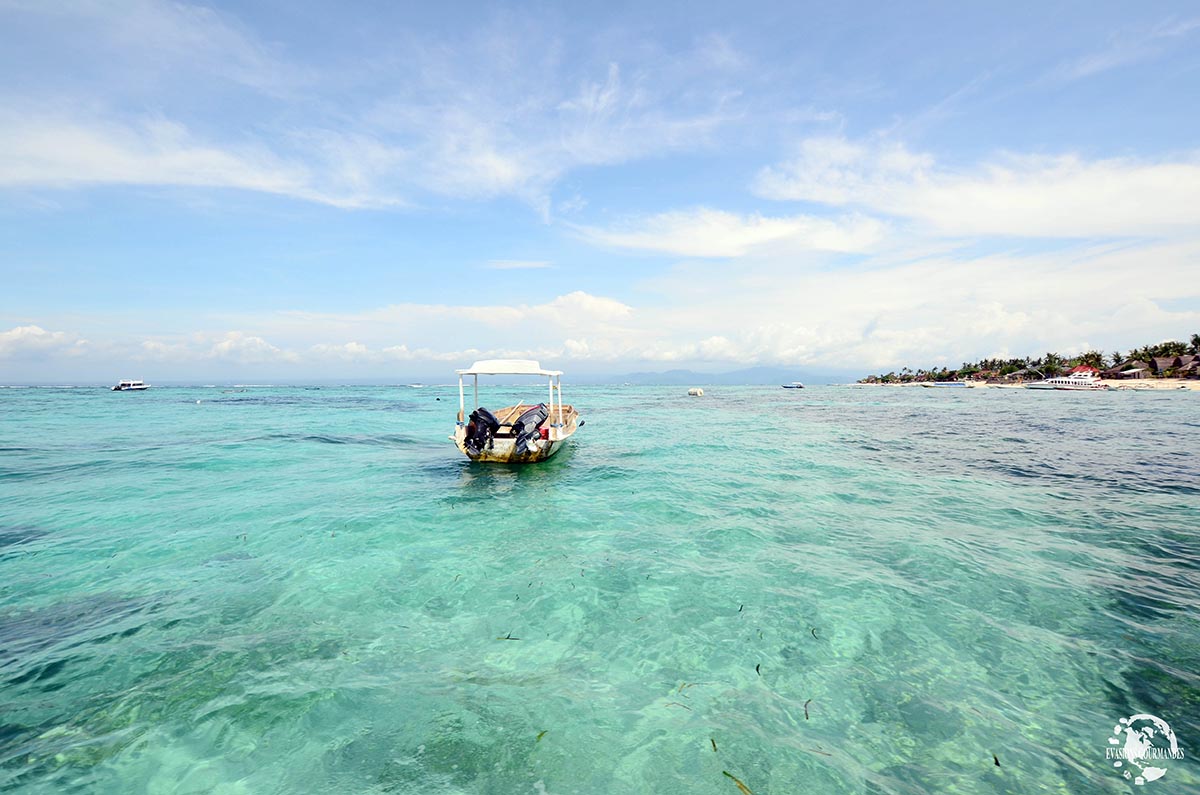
1154	383
1132	385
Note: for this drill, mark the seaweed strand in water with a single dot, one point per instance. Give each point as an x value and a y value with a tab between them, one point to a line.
745	790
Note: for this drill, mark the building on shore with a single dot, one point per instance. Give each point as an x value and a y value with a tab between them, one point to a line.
1133	368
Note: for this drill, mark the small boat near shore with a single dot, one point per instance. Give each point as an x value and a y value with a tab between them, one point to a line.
522	433
1075	382
130	386
793	385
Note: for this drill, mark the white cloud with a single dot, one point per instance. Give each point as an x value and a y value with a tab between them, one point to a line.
242	348
894	309
57	152
940	307
1028	196
579	306
408	333
30	340
705	232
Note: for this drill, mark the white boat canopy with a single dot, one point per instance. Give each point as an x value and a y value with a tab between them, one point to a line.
508	367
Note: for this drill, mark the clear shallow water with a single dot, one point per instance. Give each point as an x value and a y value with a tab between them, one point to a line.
300	590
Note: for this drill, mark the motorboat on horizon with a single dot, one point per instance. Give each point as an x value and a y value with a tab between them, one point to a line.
793	385
130	386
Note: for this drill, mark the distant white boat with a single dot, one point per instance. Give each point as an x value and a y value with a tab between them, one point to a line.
1075	382
130	386
793	385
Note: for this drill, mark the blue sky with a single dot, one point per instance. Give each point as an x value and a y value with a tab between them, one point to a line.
291	190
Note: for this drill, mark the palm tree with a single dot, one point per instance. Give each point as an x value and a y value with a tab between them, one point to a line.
1052	363
1116	358
1195	343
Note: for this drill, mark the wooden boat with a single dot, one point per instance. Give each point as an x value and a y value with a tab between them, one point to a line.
523	433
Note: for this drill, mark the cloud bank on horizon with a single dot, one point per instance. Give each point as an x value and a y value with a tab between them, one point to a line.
199	191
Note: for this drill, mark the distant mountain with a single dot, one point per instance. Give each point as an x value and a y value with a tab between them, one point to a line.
749	376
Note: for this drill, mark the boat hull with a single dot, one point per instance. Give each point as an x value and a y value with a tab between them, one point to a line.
504	451
1069	387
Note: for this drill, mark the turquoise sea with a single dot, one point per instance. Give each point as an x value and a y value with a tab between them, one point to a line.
833	590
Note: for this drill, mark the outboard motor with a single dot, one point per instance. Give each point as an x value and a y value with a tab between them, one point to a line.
480	430
526	426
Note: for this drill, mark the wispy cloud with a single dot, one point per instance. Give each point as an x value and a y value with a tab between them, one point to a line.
510	120
516	133
62	153
1013	195
1125	48
705	232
